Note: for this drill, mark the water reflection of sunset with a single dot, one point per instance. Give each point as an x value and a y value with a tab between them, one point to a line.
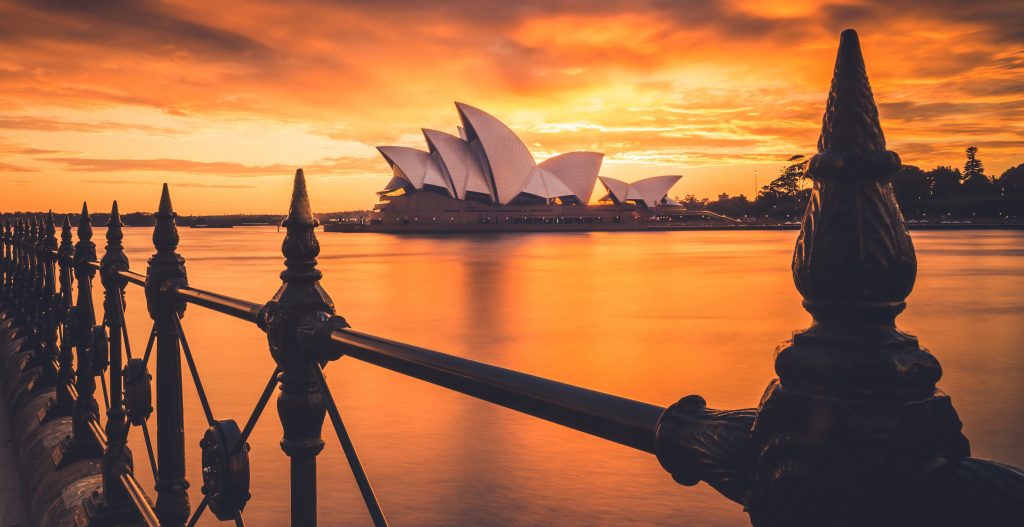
649	316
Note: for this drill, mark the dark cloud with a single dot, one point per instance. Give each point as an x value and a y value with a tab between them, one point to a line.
134	25
226	169
914	111
329	166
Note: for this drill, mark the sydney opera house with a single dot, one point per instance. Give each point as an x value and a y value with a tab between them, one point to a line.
486	179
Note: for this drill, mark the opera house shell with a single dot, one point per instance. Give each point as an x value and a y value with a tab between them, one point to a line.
486	179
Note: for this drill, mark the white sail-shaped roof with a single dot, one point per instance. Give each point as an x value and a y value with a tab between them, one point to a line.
433	175
490	160
650	191
460	163
415	166
654	189
545	184
396	183
617	189
577	170
509	160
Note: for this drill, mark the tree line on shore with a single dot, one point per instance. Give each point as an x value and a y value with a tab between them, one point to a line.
942	193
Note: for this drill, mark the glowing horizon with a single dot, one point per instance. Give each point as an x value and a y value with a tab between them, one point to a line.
108	101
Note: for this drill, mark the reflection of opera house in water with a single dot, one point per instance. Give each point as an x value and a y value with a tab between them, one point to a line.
487	180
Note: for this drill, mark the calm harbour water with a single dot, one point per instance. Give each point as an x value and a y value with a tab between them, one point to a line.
650	316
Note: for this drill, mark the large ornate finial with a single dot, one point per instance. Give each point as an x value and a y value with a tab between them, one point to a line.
165	235
854	261
300	246
854	419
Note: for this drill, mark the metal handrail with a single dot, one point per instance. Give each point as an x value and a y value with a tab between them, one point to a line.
624	421
234	307
139	499
618	419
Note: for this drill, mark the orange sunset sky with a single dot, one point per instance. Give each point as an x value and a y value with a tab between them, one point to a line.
224	99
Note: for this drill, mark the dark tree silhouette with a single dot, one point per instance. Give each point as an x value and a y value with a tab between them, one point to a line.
783	198
944	181
789	180
974	179
1012	181
911	187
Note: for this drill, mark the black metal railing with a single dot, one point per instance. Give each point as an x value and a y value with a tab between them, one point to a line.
799	459
303	334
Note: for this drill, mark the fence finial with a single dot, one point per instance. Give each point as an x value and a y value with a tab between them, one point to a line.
85	224
114	257
34	229
51	231
65	230
299	301
300	246
165	235
854	417
854	260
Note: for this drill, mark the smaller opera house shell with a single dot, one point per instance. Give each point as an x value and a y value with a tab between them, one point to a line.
486	178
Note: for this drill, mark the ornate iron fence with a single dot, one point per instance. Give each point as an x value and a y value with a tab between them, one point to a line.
853	432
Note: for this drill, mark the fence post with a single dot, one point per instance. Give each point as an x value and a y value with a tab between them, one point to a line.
166	272
65	371
37	288
48	348
5	240
31	330
300	405
117	459
85	411
28	295
17	282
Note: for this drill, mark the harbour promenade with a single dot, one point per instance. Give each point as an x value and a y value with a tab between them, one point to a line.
853	430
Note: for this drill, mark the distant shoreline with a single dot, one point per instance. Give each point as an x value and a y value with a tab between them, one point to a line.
500	229
910	226
649	228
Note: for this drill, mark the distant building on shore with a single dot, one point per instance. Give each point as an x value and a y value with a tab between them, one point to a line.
486	179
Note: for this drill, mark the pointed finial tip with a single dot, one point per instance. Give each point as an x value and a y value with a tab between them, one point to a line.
113	208
85	208
299	211
165	200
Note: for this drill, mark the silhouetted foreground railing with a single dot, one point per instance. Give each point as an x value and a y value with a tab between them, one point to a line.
853	432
